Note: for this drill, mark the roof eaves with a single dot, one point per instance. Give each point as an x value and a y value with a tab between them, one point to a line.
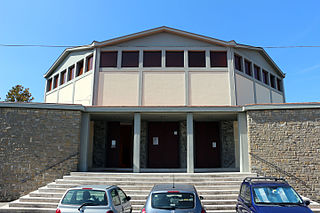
64	54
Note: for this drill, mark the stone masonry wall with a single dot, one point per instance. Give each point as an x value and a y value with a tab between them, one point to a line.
227	144
33	143
286	143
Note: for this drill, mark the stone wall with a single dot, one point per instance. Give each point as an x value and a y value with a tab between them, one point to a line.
227	144
286	143
183	144
99	144
37	146
144	145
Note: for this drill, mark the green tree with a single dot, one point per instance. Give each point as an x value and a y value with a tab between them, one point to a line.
19	94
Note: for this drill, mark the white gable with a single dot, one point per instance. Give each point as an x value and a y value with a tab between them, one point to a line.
166	39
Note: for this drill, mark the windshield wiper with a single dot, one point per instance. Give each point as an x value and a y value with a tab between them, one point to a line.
87	204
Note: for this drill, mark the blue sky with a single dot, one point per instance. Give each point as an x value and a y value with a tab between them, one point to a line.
77	22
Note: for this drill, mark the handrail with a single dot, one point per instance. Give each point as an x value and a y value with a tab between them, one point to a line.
277	168
49	167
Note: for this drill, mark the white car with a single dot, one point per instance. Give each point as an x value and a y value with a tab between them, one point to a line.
95	199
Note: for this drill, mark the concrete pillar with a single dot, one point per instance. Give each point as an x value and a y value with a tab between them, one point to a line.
190	145
136	142
243	142
84	142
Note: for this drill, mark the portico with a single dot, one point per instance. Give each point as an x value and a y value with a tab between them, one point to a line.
183	139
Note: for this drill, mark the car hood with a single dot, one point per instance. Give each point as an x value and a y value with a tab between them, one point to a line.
283	209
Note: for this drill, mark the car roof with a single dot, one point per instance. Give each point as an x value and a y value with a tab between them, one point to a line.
173	187
94	187
269	183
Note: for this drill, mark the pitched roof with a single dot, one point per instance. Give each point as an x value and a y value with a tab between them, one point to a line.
157	30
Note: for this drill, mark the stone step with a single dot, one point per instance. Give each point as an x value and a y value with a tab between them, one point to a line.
126	187
133	175
45	194
39	199
204	202
154	179
33	205
27	210
71	183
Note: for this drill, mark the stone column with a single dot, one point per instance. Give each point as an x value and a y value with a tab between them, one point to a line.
243	142
136	142
84	142
190	145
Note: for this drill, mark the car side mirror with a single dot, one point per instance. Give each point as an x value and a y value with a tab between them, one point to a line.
307	202
128	198
201	198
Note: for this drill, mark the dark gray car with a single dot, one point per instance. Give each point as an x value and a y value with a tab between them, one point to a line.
94	199
173	197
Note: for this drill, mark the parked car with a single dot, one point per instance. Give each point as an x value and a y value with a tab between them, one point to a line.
268	194
173	198
95	199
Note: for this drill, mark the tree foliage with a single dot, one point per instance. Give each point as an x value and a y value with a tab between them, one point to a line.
19	94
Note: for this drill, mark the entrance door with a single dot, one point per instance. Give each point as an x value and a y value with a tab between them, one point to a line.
119	145
163	145
207	145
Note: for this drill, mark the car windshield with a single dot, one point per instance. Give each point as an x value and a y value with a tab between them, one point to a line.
80	196
171	200
276	195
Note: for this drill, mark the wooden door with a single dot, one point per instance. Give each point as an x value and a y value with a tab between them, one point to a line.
163	145
207	145
119	145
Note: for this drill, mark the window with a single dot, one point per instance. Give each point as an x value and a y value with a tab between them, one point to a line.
272	81
70	73
80	196
79	68
175	199
265	77
109	59
130	59
247	67
196	58
49	84
152	59
218	59
55	81
238	62
279	84
245	192
174	59
115	197
123	196
89	63
63	77
257	74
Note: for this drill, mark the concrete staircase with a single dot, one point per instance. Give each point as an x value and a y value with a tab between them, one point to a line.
220	190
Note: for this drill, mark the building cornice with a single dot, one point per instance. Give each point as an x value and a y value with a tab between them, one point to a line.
162	109
149	32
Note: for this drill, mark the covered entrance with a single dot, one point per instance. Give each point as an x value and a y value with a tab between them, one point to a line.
165	142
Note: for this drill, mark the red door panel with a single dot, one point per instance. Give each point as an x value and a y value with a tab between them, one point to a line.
163	145
206	137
